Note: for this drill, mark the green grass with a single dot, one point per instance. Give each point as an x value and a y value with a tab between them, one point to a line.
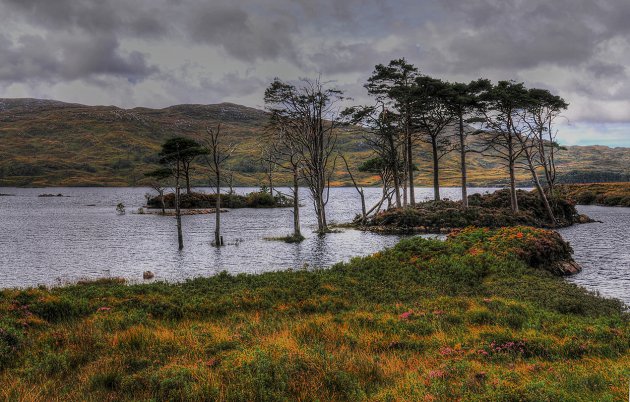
464	319
608	194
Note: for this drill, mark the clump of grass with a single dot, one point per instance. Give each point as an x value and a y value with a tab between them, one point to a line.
469	318
287	239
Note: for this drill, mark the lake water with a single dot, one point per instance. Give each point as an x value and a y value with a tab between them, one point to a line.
56	240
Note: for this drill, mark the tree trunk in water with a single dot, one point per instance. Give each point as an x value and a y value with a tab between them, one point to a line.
178	215
296	206
217	213
462	155
436	170
162	202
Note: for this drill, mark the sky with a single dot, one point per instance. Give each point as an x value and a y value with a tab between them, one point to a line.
157	53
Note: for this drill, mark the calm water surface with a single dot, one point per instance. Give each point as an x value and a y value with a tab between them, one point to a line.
58	240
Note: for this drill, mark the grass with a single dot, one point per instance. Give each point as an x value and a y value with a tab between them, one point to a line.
288	238
476	317
608	194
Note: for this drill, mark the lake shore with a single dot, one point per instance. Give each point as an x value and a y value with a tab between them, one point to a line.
605	194
480	315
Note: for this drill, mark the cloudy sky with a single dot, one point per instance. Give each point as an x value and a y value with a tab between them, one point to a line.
158	53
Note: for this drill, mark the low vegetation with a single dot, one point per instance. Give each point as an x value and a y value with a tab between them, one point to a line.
608	194
487	210
476	317
256	199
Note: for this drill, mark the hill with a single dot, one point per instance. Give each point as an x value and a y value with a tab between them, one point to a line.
52	143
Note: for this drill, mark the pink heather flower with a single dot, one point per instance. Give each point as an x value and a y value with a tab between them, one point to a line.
487	300
438	312
437	374
446	351
104	308
406	315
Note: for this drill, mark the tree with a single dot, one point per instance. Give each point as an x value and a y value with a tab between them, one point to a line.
544	109
394	86
432	113
188	150
280	152
384	139
158	178
308	116
535	117
500	107
171	157
217	153
465	104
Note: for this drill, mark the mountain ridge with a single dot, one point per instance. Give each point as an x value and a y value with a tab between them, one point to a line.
46	142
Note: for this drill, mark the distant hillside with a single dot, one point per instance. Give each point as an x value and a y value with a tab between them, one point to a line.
46	143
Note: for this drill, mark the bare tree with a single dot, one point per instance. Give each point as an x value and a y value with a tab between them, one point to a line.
308	114
281	153
217	154
356	186
158	178
383	137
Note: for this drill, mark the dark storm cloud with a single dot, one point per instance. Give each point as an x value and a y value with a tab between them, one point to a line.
577	48
33	58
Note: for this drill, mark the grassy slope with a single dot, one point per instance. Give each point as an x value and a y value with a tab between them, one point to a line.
426	320
609	194
52	143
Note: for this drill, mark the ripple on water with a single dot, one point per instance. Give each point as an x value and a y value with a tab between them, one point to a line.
63	239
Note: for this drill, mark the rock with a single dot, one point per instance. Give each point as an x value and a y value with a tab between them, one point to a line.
584	219
566	268
148	275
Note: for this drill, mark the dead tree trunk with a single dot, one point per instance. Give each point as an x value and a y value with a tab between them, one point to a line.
178	215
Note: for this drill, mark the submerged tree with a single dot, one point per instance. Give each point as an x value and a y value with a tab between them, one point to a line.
308	115
217	153
172	158
282	154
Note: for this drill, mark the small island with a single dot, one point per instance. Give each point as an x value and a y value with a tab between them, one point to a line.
483	210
